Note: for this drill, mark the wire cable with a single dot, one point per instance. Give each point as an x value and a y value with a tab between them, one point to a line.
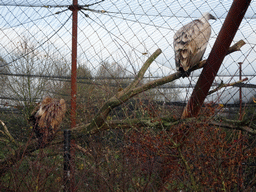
38	45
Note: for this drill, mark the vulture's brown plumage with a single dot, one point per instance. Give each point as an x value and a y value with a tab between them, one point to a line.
190	42
46	119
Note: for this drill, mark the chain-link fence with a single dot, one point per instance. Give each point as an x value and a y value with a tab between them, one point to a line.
129	135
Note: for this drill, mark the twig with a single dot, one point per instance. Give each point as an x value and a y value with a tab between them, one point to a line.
189	171
7	133
236	127
221	85
17	155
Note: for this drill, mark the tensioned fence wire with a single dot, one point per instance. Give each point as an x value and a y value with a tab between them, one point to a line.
129	28
115	38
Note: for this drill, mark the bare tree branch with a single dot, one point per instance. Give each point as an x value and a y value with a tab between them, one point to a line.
236	47
121	96
221	85
7	133
132	90
234	127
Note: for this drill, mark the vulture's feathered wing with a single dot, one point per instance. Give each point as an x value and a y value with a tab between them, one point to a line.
190	42
46	119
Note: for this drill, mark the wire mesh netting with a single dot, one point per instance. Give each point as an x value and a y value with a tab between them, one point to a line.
129	135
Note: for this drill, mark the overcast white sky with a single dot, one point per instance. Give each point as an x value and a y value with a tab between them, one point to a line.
125	31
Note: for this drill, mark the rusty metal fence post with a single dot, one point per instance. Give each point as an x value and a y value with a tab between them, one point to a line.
74	10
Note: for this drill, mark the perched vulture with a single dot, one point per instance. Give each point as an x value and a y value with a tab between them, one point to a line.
46	119
190	43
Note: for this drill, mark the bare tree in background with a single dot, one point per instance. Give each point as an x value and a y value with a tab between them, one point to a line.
3	70
29	62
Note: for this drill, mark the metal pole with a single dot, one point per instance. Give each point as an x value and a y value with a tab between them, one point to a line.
74	9
240	170
219	50
240	91
67	167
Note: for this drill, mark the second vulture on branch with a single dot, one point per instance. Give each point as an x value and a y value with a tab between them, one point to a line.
46	119
190	43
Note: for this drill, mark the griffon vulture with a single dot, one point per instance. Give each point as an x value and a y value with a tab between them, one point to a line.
46	119
190	43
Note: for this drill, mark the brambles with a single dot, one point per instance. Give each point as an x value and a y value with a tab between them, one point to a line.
190	156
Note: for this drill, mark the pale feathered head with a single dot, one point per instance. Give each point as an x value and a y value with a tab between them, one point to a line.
207	16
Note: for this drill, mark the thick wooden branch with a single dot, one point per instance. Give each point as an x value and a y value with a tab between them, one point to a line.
132	90
178	74
122	96
143	69
167	123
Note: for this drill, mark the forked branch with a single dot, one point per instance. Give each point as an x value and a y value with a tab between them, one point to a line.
132	89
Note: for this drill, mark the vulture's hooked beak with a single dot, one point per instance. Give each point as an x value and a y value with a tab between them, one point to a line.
212	17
